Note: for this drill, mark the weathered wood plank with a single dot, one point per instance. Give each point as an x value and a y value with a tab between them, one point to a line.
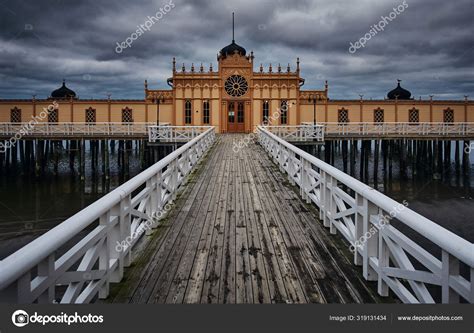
241	234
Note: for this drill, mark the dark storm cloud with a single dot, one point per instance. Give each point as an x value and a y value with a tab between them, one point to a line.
429	45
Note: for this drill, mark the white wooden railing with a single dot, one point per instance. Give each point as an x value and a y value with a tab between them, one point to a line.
399	129
298	133
77	260
368	220
75	129
174	133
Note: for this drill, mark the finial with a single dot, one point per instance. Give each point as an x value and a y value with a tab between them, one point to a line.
64	82
261	68
298	64
192	67
233	40
326	85
398	80
270	68
288	68
174	64
183	68
201	69
279	68
465	97
210	67
146	84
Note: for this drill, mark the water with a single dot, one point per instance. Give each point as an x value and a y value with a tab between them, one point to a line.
31	205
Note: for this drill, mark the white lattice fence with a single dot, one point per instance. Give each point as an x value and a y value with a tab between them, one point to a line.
369	221
96	244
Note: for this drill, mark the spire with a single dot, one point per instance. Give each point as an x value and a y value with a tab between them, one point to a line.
233	39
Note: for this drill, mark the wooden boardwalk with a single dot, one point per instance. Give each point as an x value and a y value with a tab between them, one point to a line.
239	233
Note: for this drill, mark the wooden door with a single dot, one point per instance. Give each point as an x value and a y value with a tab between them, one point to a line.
236	117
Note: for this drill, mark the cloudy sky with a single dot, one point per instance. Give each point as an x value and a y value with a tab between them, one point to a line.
429	45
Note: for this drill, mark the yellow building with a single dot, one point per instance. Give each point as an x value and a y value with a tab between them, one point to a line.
236	98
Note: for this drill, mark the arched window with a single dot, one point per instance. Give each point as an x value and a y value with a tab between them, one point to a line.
284	112
448	115
343	115
378	115
266	112
187	112
205	113
413	116
15	115
127	115
90	115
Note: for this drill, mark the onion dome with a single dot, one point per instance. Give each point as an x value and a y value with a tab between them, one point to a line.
63	92
231	49
399	93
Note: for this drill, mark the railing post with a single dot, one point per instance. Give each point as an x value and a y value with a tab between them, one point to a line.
361	204
325	199
450	267
174	178
305	182
332	204
291	167
383	259
46	269
116	242
152	203
370	238
107	251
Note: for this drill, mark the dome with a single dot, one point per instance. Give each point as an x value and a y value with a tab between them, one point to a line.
399	93
231	49
63	92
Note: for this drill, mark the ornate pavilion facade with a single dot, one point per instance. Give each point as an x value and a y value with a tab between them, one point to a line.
236	98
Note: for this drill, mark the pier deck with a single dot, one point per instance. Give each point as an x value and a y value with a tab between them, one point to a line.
239	233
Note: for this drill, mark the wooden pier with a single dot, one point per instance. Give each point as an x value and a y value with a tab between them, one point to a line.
243	219
239	233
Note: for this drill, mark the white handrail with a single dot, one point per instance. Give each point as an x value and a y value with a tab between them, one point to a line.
174	133
362	210
298	133
30	129
123	217
401	129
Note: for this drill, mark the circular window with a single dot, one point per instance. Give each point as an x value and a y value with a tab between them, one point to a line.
236	85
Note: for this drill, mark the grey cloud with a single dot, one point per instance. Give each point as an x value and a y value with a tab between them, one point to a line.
429	45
